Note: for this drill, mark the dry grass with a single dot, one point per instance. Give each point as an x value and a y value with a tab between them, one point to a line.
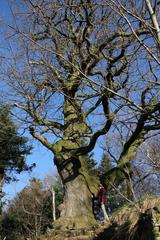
132	211
129	220
130	217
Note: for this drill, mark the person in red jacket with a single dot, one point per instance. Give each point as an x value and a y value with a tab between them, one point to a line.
102	200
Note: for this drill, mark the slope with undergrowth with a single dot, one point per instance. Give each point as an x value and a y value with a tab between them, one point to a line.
134	221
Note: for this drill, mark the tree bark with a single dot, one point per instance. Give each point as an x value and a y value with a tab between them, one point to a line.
154	19
77	205
79	187
76	210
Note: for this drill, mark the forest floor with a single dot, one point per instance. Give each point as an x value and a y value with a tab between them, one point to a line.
133	221
95	234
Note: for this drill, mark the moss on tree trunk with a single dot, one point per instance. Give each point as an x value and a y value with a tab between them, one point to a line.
76	210
79	187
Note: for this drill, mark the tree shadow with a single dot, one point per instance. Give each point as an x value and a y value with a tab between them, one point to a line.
69	169
107	233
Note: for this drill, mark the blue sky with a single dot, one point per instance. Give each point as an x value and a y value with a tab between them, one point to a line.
5	12
44	165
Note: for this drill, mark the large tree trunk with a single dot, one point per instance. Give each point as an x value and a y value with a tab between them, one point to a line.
79	187
77	205
76	211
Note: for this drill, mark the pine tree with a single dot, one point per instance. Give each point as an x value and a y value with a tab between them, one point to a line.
13	148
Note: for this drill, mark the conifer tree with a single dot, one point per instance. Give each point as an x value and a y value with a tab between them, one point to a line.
13	149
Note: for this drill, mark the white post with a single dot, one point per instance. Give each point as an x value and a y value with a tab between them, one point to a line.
53	205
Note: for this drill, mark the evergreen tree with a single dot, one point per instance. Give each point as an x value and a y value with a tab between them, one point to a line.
59	192
114	199
13	148
105	164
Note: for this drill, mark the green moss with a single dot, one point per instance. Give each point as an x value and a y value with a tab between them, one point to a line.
80	222
80	127
92	181
131	151
67	144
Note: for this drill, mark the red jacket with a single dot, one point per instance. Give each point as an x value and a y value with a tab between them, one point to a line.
101	196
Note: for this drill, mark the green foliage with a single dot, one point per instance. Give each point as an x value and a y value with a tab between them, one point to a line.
90	163
59	193
105	164
114	199
13	147
9	227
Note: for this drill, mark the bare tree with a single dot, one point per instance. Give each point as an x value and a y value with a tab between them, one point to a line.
30	211
78	72
49	182
146	169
